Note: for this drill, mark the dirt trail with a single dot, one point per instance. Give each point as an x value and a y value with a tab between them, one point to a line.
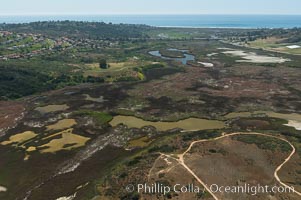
181	159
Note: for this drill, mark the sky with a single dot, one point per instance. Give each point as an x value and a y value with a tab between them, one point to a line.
60	7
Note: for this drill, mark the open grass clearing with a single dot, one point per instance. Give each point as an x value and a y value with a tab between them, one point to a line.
139	142
275	44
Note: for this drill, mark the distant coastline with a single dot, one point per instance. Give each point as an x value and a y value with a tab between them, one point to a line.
172	21
213	27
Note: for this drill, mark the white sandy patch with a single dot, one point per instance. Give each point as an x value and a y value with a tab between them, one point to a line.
206	64
3	189
293	47
295	124
255	58
82	186
263	59
98	99
167	161
237	53
67	198
211	54
223	48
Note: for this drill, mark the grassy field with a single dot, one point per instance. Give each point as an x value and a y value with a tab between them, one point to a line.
275	44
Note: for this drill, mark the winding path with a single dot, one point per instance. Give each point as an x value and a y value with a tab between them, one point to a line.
182	161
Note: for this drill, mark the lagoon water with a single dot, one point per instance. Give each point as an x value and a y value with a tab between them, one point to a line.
187	57
203	21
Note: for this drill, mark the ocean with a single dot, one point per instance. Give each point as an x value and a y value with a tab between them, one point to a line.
202	21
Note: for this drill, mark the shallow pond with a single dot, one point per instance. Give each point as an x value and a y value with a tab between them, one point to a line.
190	124
187	57
52	108
20	138
194	124
62	124
68	141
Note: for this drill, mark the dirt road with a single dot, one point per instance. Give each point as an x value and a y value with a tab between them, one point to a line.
181	159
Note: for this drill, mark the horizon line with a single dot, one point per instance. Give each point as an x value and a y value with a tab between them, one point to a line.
133	14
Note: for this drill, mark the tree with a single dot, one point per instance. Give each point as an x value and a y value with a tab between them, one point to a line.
103	64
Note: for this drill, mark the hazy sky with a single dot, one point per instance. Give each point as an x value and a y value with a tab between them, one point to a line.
150	7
